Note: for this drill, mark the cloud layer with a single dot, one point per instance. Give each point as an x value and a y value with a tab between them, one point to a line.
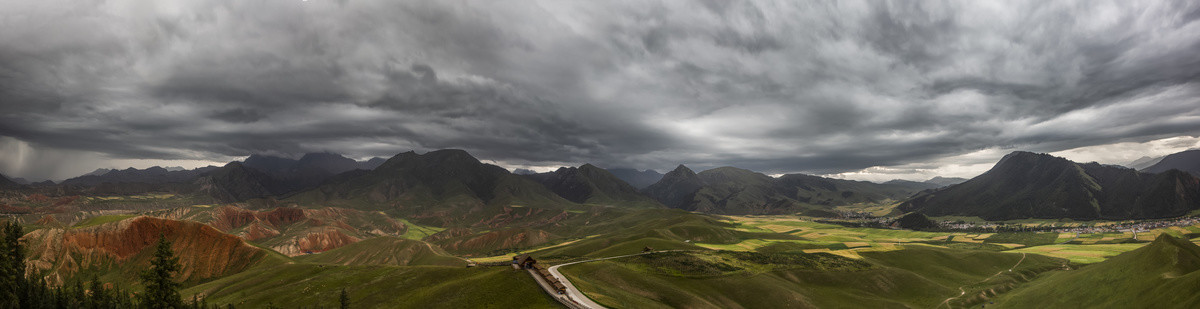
788	86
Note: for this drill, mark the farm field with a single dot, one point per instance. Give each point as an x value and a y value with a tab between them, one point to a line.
959	269
848	241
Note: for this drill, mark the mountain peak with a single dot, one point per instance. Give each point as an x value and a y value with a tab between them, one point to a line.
1025	154
682	169
1025	159
1036	185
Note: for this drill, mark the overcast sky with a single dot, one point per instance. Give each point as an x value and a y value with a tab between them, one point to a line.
865	90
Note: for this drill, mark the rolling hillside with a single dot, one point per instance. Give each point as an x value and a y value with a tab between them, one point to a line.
661	229
1163	274
377	286
295	231
385	251
916	277
1029	185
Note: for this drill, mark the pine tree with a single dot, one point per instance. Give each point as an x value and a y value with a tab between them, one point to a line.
161	290
78	298
99	297
12	262
344	300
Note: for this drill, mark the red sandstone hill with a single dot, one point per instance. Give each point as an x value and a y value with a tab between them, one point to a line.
124	247
296	231
456	242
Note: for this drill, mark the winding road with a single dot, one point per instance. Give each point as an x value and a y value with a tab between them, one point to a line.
964	292
573	294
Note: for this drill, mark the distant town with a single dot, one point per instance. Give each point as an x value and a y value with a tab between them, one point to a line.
860	219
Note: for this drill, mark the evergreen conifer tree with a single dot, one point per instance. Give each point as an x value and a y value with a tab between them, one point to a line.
344	300
161	290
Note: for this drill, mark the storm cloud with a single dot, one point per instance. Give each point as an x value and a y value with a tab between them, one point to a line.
788	86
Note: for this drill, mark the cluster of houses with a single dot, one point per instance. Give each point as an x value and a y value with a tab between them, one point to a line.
1113	227
525	261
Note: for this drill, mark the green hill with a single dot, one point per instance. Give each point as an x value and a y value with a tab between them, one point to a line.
1162	274
385	251
376	286
916	277
915	221
1029	185
661	229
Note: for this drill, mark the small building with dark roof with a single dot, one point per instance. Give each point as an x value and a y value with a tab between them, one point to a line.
525	261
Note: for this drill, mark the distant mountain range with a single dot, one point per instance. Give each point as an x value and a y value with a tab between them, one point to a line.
1031	185
934	183
153	174
730	190
7	183
288	175
589	184
453	186
1187	161
259	176
635	178
945	181
447	185
1143	162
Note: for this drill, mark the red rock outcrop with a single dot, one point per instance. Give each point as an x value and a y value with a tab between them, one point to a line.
203	251
497	240
295	231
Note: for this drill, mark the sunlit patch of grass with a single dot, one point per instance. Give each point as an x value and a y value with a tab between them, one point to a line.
508	256
1082	253
418	232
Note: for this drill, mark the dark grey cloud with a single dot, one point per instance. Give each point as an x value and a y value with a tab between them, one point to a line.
774	86
239	115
